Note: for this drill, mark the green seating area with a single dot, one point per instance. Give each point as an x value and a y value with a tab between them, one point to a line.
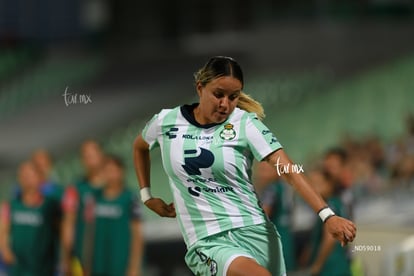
14	60
44	80
376	102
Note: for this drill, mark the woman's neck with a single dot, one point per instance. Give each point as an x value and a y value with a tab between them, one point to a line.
32	198
113	190
198	117
95	178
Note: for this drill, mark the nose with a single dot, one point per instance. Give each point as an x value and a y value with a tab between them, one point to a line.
224	103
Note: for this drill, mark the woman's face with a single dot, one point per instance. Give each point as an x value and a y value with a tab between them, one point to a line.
113	174
92	156
29	177
218	99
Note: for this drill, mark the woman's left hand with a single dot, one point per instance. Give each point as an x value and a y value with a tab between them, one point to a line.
161	208
341	229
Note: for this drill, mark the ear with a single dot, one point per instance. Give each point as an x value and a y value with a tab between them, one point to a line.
199	88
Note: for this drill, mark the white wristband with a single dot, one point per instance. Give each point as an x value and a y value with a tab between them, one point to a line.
326	213
145	194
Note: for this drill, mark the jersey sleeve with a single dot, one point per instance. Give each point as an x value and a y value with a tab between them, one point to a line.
151	131
260	139
5	213
70	200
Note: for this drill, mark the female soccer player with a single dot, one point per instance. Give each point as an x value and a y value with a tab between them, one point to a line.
118	242
28	228
207	151
77	203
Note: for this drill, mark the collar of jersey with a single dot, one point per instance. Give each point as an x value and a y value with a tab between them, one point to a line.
187	112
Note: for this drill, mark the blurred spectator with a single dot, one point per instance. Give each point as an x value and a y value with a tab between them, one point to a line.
409	137
335	164
48	187
77	204
400	157
366	160
29	227
43	161
118	241
277	202
327	257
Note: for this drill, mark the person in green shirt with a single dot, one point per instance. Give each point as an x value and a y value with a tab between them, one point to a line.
29	232
277	202
118	240
44	165
43	161
77	205
327	256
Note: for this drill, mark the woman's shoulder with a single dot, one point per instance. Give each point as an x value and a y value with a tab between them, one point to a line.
241	113
166	111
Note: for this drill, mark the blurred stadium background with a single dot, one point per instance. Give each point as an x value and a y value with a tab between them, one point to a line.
327	72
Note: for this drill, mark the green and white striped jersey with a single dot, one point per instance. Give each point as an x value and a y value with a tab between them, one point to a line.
209	168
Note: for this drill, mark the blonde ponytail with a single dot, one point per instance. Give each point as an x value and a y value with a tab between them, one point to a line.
249	104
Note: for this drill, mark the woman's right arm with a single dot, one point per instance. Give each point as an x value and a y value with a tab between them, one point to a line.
142	164
5	250
70	204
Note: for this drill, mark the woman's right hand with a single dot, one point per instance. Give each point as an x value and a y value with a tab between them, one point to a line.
161	208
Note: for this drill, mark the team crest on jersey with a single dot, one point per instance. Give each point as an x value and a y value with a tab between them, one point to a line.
212	264
228	133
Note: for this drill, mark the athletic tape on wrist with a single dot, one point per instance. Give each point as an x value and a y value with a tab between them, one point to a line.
326	213
145	194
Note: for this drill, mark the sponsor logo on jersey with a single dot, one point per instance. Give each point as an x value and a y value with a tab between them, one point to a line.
197	137
196	190
108	211
27	218
272	139
171	133
195	160
201	179
228	133
212	264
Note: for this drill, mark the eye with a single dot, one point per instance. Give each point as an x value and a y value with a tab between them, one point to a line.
234	96
218	94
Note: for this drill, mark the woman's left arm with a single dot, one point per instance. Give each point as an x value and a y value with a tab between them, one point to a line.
342	229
